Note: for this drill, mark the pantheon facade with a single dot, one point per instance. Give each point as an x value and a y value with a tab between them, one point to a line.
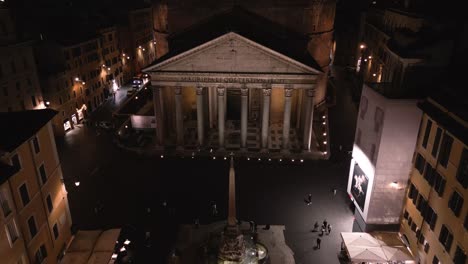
237	82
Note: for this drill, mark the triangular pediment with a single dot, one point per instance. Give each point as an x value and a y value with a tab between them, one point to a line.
231	53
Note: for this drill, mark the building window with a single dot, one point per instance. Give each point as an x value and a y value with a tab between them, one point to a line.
4	202
420	163
363	105
462	173
406	215
429	174
435	147
421	205
43	174
35	142
413	227
445	149
466	222
410	221
55	230
24	194
459	257
372	153
430	217
427	132
15	161
378	119
33	101
41	254
421	237
12	232
446	238
50	206
435	260
426	247
439	183
32	226
456	203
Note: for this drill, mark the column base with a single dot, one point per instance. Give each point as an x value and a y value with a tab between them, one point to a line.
285	151
264	150
159	148
306	151
180	148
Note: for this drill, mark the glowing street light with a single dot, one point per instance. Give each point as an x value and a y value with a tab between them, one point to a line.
127	242
128	57
374	74
362	46
83	83
324	134
77	79
122	249
47	103
77	183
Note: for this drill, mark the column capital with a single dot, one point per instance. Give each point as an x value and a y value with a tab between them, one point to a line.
244	91
199	90
266	91
221	90
177	90
310	92
288	92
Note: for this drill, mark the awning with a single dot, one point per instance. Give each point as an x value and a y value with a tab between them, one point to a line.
381	247
91	247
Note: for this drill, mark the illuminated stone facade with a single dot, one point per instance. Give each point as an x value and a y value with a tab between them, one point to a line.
435	215
231	93
386	132
35	218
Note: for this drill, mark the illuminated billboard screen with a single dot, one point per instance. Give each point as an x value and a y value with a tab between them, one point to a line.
359	186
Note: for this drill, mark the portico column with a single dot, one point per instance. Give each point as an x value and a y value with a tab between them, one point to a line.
287	116
244	102
309	118
179	116
221	115
200	125
158	115
266	116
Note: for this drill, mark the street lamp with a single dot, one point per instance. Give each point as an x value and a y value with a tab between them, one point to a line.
75	181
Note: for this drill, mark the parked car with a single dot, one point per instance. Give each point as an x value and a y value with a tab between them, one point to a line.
130	92
137	82
106	125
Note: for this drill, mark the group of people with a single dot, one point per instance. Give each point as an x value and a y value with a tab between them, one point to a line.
325	228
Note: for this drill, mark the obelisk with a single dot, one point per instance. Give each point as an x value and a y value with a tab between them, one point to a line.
232	247
232	221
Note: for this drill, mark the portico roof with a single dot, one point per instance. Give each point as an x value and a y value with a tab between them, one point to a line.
257	35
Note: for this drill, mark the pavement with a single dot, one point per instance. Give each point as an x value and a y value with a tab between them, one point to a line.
268	192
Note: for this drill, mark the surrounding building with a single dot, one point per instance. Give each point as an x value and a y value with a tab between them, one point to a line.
35	213
229	83
136	41
402	47
379	167
435	216
78	73
19	82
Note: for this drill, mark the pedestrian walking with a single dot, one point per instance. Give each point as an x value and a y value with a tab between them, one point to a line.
316	226
334	192
329	228
323	230
325	223
318	242
267	227
340	147
251	226
310	197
